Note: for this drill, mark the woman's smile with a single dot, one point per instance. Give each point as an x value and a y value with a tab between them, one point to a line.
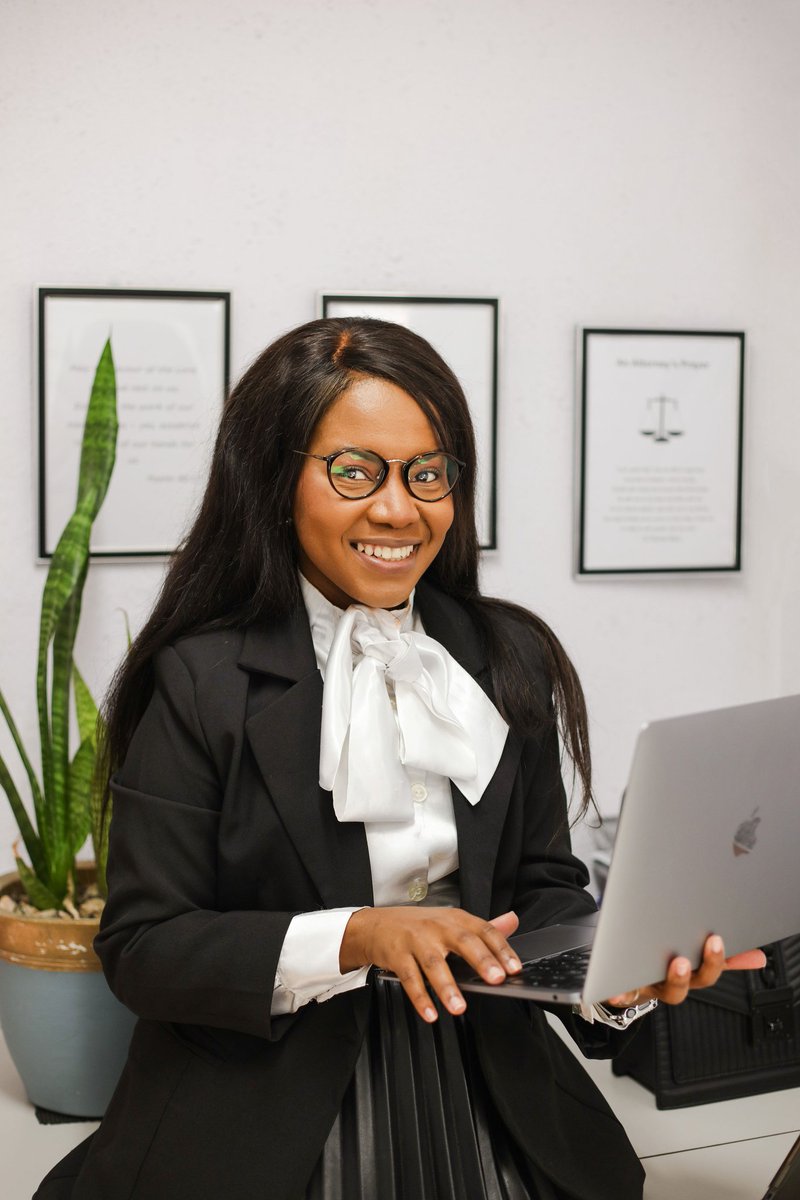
386	552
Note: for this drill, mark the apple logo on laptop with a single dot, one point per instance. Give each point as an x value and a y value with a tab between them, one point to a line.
745	837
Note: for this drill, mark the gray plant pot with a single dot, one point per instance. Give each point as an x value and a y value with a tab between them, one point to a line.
67	1034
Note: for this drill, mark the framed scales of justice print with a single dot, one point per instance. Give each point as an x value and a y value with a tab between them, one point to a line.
659	452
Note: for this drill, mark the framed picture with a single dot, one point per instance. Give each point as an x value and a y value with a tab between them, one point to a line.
171	354
464	331
659	450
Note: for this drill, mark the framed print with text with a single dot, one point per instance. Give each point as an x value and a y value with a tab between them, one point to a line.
171	355
659	473
464	331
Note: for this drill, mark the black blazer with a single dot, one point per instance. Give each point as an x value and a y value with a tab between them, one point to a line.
220	834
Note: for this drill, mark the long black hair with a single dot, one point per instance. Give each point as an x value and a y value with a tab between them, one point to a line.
238	563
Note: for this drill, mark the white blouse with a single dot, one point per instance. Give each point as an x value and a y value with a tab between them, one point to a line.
413	857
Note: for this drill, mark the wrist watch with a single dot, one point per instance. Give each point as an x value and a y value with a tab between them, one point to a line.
621	1018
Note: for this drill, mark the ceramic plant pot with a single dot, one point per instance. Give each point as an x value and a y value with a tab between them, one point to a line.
66	1033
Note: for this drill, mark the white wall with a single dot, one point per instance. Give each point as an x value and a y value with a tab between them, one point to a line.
616	162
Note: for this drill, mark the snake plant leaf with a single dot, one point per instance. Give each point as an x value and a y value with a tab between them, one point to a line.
66	573
24	824
79	806
63	643
100	830
99	445
85	707
126	619
90	725
61	603
98	450
39	895
36	791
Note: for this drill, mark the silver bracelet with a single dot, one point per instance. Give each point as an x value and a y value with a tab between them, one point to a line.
621	1018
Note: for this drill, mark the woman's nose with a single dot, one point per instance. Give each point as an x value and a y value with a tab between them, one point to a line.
393	504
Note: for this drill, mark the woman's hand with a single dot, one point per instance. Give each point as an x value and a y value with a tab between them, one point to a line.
681	979
414	944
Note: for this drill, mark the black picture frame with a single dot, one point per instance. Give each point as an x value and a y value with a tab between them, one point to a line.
72	325
637	514
457	351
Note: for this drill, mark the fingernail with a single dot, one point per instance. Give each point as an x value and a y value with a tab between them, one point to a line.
715	944
495	974
513	963
682	970
457	1004
429	1014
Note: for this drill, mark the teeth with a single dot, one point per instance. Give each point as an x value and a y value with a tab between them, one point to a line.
385	552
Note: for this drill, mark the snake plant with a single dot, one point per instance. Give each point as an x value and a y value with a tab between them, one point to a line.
65	802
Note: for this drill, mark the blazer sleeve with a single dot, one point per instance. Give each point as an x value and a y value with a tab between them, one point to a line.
166	950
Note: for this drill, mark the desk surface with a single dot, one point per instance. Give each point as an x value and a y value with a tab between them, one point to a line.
726	1151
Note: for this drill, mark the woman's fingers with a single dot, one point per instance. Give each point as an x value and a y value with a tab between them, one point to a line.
494	935
712	964
681	979
414	986
748	960
441	980
488	952
414	944
507	923
671	990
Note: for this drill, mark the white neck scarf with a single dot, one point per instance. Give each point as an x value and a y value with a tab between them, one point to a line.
395	700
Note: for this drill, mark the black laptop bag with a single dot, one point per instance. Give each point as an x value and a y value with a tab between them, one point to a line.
738	1038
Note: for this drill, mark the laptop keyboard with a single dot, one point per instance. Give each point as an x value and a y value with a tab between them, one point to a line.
566	970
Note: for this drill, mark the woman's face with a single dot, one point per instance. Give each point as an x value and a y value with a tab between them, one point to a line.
376	415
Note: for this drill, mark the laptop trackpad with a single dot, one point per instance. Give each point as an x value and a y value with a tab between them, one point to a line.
551	940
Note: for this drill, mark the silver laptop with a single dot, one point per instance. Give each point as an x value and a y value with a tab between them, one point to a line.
708	842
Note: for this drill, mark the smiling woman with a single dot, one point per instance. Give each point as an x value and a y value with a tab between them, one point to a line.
370	550
329	753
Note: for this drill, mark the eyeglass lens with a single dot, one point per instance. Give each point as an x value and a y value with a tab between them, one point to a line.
356	473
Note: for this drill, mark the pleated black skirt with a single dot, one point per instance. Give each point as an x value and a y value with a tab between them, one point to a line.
417	1121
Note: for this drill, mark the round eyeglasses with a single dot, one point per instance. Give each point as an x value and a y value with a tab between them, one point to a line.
355	473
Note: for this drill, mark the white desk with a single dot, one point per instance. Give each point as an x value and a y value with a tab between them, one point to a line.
727	1151
724	1151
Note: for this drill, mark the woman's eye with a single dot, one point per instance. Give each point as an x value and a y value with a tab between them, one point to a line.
426	475
351	472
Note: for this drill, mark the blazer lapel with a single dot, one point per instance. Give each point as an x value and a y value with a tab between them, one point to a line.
284	733
480	826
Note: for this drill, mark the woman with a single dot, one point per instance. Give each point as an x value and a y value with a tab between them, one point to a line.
276	836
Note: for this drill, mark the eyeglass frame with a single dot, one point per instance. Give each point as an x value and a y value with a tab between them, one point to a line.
406	467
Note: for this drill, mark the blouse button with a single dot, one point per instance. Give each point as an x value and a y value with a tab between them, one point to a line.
419	792
417	889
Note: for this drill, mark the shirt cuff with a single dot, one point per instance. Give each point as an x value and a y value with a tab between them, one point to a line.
308	968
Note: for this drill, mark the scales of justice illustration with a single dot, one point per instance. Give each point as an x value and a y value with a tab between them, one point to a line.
661	433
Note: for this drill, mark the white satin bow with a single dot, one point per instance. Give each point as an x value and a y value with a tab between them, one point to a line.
397	699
